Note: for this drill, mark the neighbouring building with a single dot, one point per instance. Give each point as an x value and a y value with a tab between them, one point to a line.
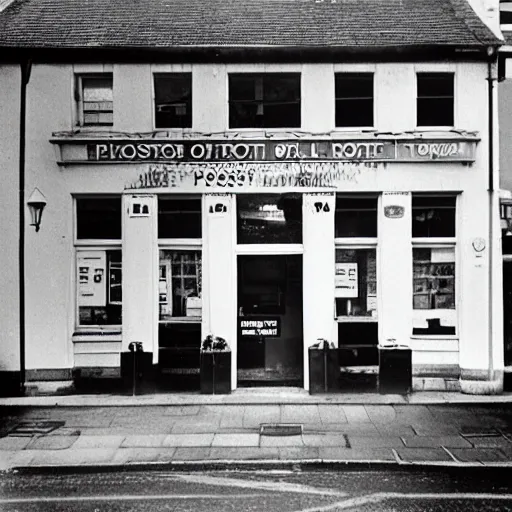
274	172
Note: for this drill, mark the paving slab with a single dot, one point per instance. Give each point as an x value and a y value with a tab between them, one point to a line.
376	454
192	453
181	410
490	442
83	420
127	455
356	414
148	441
430	429
184	427
478	454
299	453
318	440
255	416
281	441
435	442
14	443
332	414
305	414
6	457
51	442
423	455
362	442
381	414
86	442
250	439
188	440
245	453
395	429
232	416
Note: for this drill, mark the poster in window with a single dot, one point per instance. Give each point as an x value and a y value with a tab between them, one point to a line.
92	290
345	280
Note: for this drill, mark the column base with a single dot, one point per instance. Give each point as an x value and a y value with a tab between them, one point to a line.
478	382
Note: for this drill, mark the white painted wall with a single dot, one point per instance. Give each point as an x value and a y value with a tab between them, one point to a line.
50	255
10	78
318	271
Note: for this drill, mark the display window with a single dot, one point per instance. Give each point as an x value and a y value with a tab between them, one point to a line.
179	284
434	298
269	219
356	283
98	261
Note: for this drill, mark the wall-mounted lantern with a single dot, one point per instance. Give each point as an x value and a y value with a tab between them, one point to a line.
36	203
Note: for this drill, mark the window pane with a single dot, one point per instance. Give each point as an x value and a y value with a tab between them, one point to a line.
179	286
97	100
269	218
435	103
354	99
269	100
98	218
173	100
433	216
179	217
99	275
355	217
434	291
356	282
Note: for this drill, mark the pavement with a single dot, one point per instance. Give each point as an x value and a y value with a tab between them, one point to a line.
279	427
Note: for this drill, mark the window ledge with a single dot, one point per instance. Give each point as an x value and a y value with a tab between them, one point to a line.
181	320
97	335
435	337
356	319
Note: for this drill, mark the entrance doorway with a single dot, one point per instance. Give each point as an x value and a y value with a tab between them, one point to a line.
270	327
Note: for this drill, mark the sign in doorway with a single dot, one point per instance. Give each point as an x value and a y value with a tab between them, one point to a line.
270	330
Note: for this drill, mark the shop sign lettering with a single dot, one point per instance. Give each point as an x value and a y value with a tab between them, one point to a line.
257	327
231	175
272	151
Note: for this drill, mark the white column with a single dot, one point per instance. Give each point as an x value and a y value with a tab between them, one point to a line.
394	267
318	270
219	271
140	272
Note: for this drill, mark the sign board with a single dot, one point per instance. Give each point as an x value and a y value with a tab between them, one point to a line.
92	290
345	280
251	327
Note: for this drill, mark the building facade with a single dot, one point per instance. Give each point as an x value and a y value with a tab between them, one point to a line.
269	186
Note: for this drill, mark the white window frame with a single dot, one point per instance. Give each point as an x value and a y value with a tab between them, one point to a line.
89	245
181	244
79	99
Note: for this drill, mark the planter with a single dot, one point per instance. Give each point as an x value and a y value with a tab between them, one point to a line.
215	372
137	372
323	370
395	370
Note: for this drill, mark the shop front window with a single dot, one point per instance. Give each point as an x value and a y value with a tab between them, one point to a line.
355	217
99	274
179	285
434	298
356	283
179	217
269	219
98	261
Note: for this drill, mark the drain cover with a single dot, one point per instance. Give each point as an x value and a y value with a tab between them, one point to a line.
32	428
281	430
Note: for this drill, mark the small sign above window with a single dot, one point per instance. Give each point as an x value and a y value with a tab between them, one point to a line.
140	206
260	327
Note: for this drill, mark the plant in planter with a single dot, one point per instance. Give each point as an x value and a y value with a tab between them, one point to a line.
323	367
215	366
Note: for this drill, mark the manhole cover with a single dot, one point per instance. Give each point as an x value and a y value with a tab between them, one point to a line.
281	430
32	428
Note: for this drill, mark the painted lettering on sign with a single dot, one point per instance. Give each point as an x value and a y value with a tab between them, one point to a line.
250	175
383	150
260	327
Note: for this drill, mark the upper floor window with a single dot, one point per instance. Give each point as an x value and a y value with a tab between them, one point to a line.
269	100
95	100
354	99
355	217
179	217
173	100
433	216
98	218
435	100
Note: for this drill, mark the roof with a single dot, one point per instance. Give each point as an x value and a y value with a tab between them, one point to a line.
113	24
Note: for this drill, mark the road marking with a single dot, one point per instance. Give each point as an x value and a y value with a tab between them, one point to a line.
253	484
144	497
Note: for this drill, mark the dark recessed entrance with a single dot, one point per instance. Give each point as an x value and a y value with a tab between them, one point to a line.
270	332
